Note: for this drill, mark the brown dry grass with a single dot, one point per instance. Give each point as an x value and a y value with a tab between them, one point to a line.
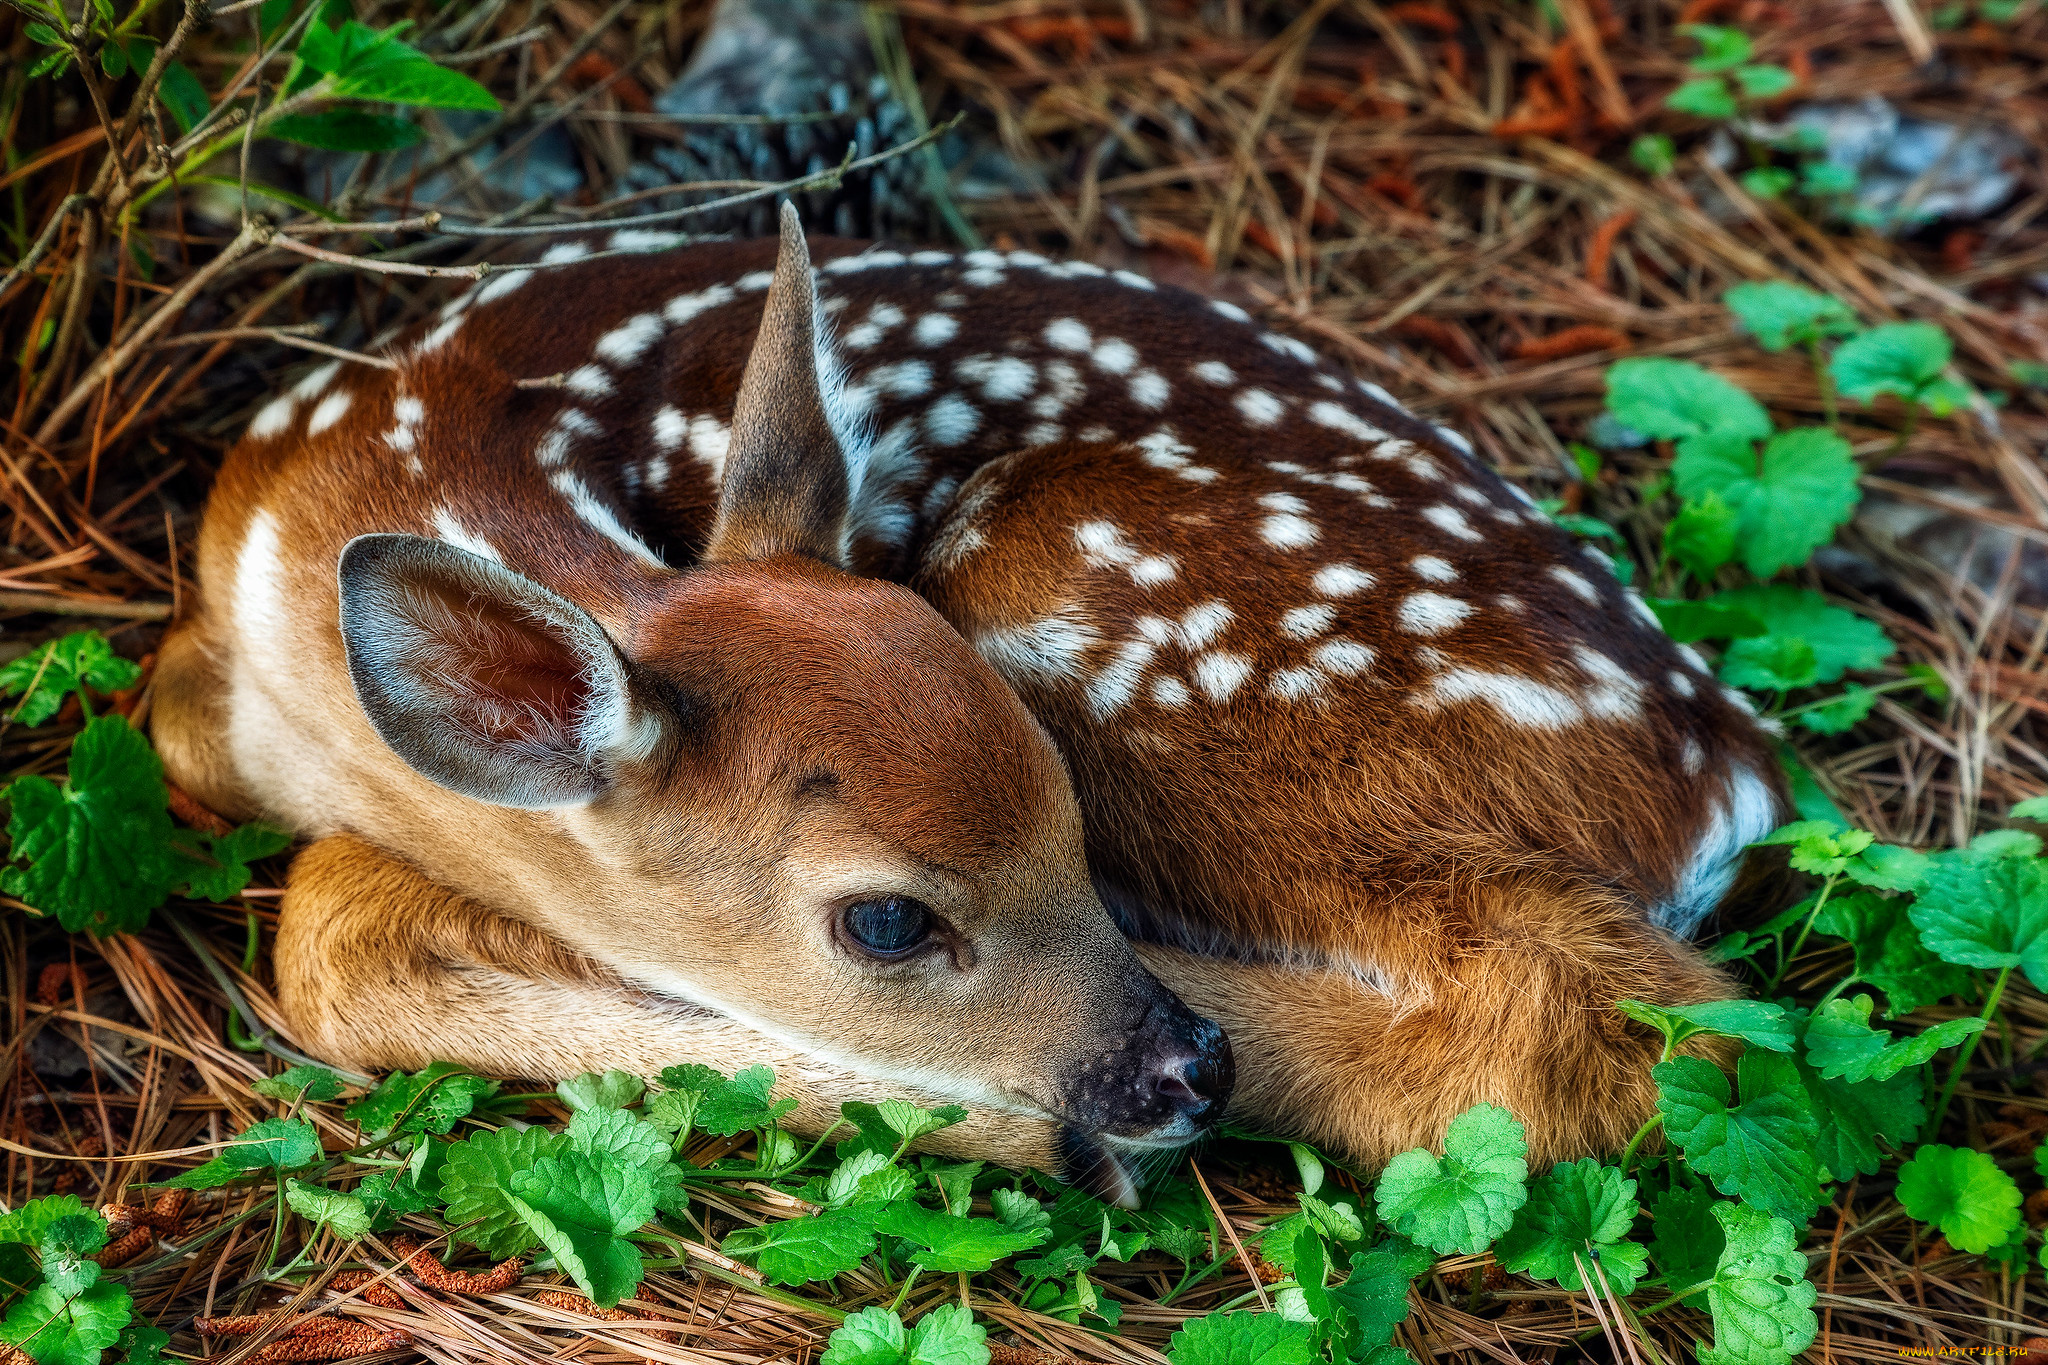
1436	193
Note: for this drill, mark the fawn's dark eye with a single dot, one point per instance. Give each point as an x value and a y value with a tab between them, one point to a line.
888	928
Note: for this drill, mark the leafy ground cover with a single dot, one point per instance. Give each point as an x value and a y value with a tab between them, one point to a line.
1592	240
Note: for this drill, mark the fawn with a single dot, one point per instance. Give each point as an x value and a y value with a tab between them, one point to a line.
924	674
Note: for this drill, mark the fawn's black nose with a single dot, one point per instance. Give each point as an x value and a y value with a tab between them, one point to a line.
1198	1084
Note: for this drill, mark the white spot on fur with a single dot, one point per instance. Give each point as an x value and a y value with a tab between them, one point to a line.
1131	278
1305	623
1050	648
1170	692
710	442
1576	582
903	379
1286	345
669	428
1220	675
502	284
1214	372
628	341
1114	356
1152	570
599	517
564	252
1202	625
1341	580
1691	756
1230	310
682	308
1295	684
272	418
1432	613
1343	419
1258	407
331	410
1001	379
1681	684
1451	521
1044	434
642	239
1346	658
1434	569
951	420
1521	701
315	382
934	329
590	381
1150	390
1116	681
1063	387
1616	694
1068	334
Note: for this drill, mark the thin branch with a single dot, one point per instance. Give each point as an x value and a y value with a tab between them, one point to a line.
72	204
285	336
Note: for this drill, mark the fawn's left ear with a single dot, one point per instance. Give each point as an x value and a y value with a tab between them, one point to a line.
785	489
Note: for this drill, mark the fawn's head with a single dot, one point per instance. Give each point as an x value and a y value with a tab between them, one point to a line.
791	795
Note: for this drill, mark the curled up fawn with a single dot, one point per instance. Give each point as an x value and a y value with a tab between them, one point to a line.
974	678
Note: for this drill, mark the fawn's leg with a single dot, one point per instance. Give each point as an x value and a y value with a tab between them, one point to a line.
1518	1012
380	969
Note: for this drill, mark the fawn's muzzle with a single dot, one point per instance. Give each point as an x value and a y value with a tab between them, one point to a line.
1162	1082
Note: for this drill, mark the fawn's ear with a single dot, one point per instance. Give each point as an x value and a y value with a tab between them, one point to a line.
482	680
785	489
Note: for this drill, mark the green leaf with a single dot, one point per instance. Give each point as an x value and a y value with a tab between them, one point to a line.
1855	1118
209	1176
947	1244
344	1214
1754	1021
1702	536
1842	1046
44	34
216	867
1762	83
1823	178
345	130
1686	622
388	1194
1900	358
1991	912
317	1083
873	1336
1685	1237
1759	1150
477	1177
1841	640
1242	1339
183	95
1788	500
1375	1294
800	1250
142	1344
1579	1210
1890	868
44	676
1889	954
30	1223
1705	97
1773	663
1464	1199
52	1328
1674	399
1779	315
742	1104
1964	1193
612	1090
1019	1211
580	1207
910	1123
98	848
362	63
432	1100
1845	711
1653	154
1760	1297
1765	182
948	1335
1721	49
280	1144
